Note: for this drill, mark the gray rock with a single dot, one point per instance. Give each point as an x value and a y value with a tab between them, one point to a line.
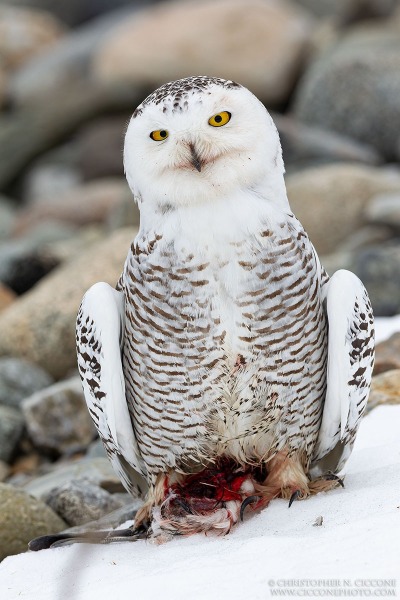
96	450
28	270
354	89
4	470
23	518
7	217
112	520
330	200
368	235
350	10
66	65
11	428
305	145
7	297
385	389
25	33
19	379
124	214
23	261
75	12
53	172
50	181
387	355
88	203
379	269
81	501
384	209
98	470
100	145
253	33
53	118
57	417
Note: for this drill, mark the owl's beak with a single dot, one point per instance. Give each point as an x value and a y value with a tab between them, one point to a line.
196	162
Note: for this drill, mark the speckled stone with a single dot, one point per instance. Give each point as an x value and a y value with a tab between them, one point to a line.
378	267
387	355
354	88
19	379
57	417
81	501
22	518
385	389
98	470
11	427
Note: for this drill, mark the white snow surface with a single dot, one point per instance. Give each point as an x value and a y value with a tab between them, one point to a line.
358	540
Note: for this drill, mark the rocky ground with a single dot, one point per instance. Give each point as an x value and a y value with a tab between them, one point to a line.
71	73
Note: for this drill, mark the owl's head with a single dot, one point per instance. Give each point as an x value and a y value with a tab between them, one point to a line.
200	138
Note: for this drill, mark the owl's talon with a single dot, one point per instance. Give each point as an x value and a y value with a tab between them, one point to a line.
332	477
294	497
246	502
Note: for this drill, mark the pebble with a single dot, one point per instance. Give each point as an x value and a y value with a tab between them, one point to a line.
100	146
7	296
57	418
51	118
64	66
7	217
23	518
49	181
4	470
237	34
385	389
26	32
40	326
79	12
387	355
98	470
88	203
80	501
3	86
96	450
350	10
385	209
19	379
24	260
11	428
304	145
378	267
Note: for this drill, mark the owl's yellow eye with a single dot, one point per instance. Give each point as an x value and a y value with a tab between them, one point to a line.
220	119
159	135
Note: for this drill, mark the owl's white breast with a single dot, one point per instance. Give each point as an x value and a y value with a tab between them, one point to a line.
221	233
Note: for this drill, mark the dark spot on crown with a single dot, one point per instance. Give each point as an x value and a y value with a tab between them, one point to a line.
175	94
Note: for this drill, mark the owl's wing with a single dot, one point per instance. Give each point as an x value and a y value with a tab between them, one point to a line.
350	364
99	338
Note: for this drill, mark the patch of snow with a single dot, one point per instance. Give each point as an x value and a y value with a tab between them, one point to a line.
385	327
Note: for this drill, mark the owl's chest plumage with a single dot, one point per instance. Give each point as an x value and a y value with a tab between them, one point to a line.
223	344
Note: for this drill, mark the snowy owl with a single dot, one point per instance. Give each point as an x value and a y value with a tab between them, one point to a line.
227	367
